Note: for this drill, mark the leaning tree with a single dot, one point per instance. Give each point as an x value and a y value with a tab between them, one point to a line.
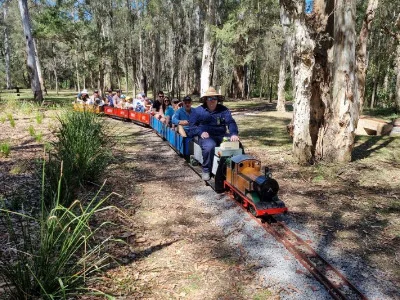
326	108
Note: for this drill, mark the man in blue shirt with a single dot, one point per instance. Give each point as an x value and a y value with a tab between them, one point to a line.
181	116
209	122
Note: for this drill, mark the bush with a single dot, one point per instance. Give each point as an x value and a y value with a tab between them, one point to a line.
81	146
50	257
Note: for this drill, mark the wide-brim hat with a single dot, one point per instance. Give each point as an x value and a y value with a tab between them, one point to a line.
211	92
84	91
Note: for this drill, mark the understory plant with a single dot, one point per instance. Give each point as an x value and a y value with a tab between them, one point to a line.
82	147
52	256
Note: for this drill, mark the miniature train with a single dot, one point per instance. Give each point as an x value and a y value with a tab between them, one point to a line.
234	172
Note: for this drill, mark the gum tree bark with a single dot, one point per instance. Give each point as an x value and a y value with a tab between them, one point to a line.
362	62
30	50
285	22
336	136
325	86
6	46
398	64
207	64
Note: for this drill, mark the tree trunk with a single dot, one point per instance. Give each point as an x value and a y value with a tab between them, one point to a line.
362	49
207	65
143	79
238	80
77	71
397	59
398	76
285	22
39	67
280	106
30	50
303	64
6	46
373	92
156	64
336	139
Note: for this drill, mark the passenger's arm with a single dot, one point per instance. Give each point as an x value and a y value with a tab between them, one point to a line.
194	128
175	117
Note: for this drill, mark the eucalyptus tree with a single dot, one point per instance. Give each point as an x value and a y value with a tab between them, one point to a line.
361	49
248	44
7	54
326	107
30	50
380	88
209	48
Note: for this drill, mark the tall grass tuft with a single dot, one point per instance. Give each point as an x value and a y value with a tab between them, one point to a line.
5	149
52	256
11	120
81	145
39	117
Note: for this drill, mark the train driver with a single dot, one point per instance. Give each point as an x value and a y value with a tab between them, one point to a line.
209	123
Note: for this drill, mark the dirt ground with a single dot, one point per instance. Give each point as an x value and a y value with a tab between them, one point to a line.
173	252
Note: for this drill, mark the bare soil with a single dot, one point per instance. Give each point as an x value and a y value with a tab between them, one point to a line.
172	251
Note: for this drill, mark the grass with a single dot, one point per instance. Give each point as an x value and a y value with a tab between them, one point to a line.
56	253
5	149
11	120
82	146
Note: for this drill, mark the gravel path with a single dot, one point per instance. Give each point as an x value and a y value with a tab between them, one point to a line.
176	205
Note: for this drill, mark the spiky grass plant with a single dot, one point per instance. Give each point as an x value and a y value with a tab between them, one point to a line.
52	256
11	120
5	149
81	145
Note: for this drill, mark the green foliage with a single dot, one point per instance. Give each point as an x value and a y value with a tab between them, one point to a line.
11	120
54	253
5	149
31	130
39	117
81	146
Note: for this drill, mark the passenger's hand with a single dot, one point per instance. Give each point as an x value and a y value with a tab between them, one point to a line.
184	122
234	138
204	135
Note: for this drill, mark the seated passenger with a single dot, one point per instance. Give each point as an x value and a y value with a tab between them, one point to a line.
156	108
168	112
109	98
175	104
181	116
128	103
82	97
116	99
147	104
209	123
95	99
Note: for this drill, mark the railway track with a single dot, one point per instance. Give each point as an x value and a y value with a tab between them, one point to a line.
335	283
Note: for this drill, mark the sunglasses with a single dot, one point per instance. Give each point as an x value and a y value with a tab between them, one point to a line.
160	96
212	98
167	101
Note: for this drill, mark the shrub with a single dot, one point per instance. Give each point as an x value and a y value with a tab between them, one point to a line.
50	257
81	146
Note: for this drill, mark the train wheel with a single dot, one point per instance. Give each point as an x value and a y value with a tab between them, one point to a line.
193	161
252	210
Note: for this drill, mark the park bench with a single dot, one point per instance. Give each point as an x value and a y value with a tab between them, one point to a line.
372	126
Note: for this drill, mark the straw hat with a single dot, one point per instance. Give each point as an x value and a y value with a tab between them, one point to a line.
211	92
84	91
